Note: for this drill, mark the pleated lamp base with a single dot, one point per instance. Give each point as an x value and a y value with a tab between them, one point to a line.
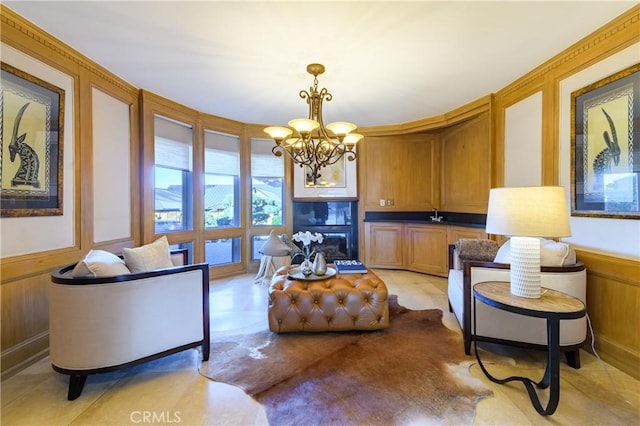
525	267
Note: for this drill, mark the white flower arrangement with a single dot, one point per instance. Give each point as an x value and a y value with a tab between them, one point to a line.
306	238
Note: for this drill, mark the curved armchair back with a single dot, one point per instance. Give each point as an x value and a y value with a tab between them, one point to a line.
101	324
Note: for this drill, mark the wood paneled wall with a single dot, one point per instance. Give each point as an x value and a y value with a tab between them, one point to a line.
613	282
24	278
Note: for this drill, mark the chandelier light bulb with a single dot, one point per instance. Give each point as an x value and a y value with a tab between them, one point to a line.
278	133
352	139
341	128
304	126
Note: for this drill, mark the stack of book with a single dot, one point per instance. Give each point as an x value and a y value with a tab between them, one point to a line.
350	267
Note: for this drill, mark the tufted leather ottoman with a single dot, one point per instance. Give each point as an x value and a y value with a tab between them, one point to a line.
342	302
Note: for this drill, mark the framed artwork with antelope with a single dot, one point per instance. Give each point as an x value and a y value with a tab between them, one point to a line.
32	117
605	147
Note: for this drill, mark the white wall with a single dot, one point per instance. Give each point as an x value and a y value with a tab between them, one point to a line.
23	235
616	236
523	142
111	168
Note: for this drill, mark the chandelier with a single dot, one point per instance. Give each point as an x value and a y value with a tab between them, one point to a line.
311	144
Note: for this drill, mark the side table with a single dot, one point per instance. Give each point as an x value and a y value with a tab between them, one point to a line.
553	306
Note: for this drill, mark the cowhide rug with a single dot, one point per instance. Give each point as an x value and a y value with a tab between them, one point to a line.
414	372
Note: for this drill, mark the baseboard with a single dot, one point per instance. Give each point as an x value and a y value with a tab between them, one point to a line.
22	355
618	356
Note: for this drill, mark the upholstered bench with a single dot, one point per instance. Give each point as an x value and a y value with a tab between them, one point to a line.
339	303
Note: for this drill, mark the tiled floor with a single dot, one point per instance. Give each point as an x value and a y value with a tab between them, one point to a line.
170	390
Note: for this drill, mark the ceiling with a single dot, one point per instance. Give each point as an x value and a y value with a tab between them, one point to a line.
386	62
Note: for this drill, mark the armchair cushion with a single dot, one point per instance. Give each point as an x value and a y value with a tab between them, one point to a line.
482	250
100	263
552	253
148	257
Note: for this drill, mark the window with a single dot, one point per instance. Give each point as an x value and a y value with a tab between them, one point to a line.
173	176
267	184
221	180
184	246
257	241
222	251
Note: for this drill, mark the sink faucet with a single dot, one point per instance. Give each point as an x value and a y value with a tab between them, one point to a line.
435	217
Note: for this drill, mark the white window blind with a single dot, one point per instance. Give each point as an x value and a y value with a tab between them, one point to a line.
221	153
263	162
172	144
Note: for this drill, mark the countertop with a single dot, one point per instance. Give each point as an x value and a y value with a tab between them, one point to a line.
467	220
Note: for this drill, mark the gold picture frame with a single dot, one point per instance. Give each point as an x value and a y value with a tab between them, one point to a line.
31	170
338	180
605	147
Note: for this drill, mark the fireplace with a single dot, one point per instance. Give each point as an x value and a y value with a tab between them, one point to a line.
336	220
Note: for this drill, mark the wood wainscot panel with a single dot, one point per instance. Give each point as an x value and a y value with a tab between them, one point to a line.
25	322
613	305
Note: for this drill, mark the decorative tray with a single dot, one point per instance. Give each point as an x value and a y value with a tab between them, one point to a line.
296	274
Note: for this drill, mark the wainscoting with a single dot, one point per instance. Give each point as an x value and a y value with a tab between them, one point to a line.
613	304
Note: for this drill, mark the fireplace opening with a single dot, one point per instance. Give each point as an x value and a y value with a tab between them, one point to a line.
335	220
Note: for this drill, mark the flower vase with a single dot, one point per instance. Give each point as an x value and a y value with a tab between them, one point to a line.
306	267
319	266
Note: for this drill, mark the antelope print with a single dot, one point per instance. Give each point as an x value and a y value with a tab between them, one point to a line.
27	173
611	154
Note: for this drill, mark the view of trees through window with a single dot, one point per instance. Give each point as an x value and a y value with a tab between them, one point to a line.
267	184
173	191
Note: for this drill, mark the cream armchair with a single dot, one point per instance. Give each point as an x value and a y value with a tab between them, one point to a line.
101	324
503	327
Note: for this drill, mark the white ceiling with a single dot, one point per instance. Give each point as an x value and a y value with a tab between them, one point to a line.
386	62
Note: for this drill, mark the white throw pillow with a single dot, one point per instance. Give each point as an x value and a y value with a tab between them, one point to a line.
99	263
148	257
552	253
274	246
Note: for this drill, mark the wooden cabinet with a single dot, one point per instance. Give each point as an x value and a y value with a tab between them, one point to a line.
424	249
466	166
384	243
414	247
402	170
454	233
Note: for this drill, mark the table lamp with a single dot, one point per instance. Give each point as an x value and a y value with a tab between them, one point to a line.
524	213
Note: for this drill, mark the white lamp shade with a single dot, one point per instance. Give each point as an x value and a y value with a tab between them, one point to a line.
536	211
